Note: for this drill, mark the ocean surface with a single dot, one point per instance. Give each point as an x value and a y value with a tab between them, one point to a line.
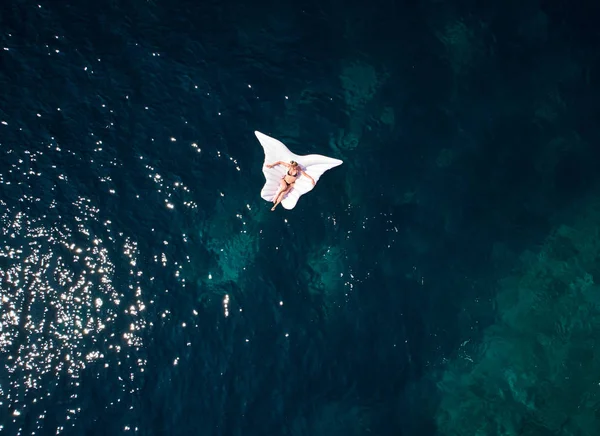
440	282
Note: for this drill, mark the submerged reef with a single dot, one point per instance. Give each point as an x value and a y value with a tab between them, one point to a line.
361	84
535	370
327	277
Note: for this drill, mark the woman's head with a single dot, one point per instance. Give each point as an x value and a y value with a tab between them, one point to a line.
294	163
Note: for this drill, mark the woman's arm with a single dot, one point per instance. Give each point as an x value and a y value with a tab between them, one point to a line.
313	180
278	163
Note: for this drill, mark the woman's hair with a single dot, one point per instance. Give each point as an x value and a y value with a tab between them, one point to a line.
294	163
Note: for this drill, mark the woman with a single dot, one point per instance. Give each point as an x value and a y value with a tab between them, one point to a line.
287	183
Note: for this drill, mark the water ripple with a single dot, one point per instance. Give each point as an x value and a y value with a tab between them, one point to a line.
61	310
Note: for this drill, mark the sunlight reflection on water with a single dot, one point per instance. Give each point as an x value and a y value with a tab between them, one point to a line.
60	310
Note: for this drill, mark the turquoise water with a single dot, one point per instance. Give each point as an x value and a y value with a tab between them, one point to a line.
441	281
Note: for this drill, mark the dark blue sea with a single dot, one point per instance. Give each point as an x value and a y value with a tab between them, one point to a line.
441	281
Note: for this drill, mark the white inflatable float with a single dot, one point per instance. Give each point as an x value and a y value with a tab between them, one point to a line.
313	164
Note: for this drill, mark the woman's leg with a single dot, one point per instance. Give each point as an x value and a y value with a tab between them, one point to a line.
281	195
282	187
